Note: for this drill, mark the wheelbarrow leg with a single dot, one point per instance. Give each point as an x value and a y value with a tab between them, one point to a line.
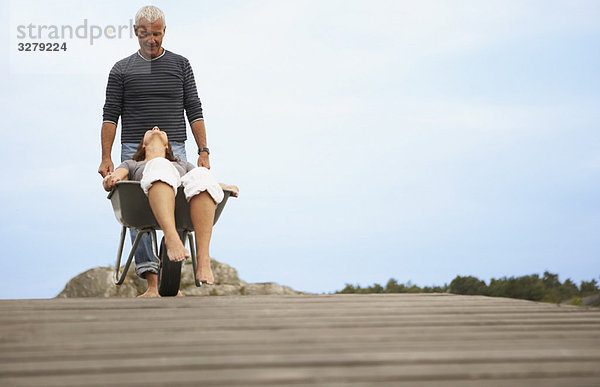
119	278
119	281
190	236
154	244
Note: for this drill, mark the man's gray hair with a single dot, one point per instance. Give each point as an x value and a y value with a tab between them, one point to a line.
150	13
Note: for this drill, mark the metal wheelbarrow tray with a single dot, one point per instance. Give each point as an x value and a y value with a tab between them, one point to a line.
132	210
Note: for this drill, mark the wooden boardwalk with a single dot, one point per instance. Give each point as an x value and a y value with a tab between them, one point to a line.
392	339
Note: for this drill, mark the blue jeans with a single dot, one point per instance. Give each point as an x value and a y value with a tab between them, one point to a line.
144	258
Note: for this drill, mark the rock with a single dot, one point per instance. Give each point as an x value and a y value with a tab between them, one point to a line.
224	274
98	282
267	288
593	300
212	290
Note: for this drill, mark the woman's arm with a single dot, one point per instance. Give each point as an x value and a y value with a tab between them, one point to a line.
111	179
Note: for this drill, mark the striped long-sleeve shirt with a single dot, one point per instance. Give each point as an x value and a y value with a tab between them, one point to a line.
147	93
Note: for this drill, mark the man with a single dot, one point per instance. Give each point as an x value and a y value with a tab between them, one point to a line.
151	88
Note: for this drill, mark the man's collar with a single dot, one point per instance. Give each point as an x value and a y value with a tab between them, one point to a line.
150	60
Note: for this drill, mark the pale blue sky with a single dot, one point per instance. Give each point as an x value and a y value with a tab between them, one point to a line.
414	140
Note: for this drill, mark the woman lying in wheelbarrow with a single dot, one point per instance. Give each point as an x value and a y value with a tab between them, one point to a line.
160	174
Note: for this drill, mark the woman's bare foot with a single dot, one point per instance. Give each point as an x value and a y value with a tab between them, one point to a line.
150	293
204	273
179	294
175	249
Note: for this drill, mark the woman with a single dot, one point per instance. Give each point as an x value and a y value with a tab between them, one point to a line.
160	174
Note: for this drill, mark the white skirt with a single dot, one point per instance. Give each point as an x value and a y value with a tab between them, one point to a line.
197	180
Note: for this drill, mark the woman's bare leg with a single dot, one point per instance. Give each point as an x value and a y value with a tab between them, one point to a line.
202	209
162	201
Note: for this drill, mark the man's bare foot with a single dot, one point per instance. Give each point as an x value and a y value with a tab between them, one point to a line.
179	294
150	293
204	273
176	250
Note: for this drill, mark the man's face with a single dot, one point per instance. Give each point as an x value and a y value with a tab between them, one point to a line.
150	36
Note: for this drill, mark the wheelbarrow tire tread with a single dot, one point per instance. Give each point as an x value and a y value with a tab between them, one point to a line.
169	274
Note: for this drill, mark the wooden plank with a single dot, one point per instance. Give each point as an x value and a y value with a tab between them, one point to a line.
286	310
321	375
257	322
389	300
208	361
569	349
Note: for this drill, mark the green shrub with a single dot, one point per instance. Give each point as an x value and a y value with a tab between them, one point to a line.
568	289
588	287
548	288
552	297
550	280
348	289
376	289
468	285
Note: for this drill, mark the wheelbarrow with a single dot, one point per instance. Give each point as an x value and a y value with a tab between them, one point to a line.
132	210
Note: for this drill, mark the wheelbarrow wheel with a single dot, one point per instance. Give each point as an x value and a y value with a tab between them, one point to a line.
169	274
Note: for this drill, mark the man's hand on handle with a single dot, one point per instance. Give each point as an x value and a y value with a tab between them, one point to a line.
199	132
203	160
106	167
